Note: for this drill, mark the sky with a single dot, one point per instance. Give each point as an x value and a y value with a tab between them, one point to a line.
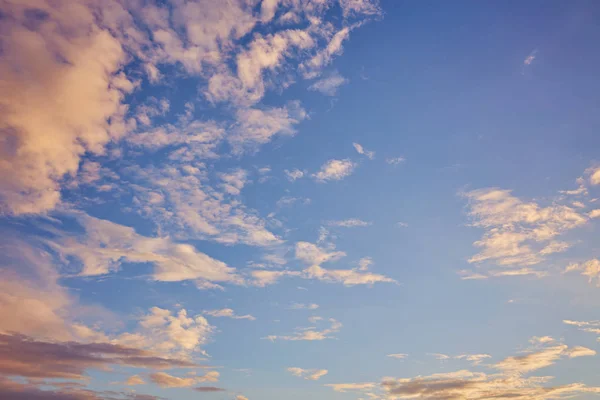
291	199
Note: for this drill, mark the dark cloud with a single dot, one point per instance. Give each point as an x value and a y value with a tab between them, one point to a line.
23	356
11	390
209	389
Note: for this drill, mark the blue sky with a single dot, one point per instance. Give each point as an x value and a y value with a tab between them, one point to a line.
287	199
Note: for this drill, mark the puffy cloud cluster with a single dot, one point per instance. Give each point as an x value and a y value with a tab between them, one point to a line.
63	92
67	69
518	234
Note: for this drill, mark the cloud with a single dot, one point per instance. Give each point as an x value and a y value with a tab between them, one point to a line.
31	390
464	384
358	7
165	380
530	58
311	254
475	359
586	326
399	356
395	160
134	380
74	62
364	263
229	313
335	170
590	269
348	387
310	333
192	208
439	356
540	359
541	340
361	150
594	213
23	356
106	245
258	126
300	306
169	333
240	397
312	68
348	277
349	223
518	234
233	182
208	389
32	302
294	174
329	85
309	374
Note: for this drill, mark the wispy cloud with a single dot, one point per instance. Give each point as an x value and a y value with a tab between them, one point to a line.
310	374
361	150
227	313
329	85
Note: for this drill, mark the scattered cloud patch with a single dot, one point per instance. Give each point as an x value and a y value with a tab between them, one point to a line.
335	170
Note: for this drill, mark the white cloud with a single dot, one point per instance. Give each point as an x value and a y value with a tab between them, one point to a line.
192	208
399	356
228	313
440	356
349	223
311	254
134	380
517	233
106	245
313	67
540	359
301	306
348	277
594	174
233	182
73	61
309	374
258	126
594	213
347	387
475	359
530	58
585	326
335	170
329	85
165	380
310	333
361	150
395	160
590	269
364	263
165	332
294	174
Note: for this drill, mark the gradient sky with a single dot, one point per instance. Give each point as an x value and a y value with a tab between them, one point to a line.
292	199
